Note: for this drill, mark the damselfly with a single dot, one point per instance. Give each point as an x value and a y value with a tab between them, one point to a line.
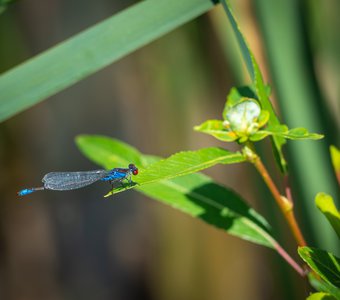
65	181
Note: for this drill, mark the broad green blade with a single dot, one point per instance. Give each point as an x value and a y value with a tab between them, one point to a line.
91	50
324	263
194	194
257	80
200	197
110	153
326	205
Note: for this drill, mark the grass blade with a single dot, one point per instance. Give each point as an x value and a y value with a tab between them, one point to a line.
91	50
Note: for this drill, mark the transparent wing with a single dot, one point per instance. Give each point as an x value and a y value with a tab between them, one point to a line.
62	181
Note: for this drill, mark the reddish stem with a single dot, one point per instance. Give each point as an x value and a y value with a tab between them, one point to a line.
284	204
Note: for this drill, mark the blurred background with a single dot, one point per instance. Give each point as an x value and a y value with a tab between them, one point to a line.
79	245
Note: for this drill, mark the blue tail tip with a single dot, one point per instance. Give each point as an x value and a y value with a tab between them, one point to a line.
25	192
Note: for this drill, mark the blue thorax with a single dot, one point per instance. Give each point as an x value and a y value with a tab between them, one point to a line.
116	174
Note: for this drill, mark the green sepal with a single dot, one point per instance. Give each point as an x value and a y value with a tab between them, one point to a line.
258	136
217	129
263	118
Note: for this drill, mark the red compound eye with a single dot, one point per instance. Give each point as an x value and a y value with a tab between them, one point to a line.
135	171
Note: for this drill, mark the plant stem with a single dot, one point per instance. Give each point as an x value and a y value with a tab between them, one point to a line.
285	205
290	260
300	270
287	189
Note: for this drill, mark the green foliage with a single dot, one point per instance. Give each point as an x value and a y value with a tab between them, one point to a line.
244	118
4	4
292	134
200	197
324	264
323	286
110	152
299	97
260	88
217	129
91	50
242	122
194	194
248	115
335	155
321	296
326	205
186	162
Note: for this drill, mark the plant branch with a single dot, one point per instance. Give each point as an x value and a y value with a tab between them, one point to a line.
288	189
282	252
285	205
290	260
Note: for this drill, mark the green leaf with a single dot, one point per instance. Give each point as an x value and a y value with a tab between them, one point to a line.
321	296
216	129
200	197
322	286
302	133
335	155
326	205
260	87
179	164
91	50
194	194
258	136
292	134
325	264
186	162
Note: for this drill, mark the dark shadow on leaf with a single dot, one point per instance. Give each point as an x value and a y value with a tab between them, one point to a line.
223	207
326	264
121	186
246	91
